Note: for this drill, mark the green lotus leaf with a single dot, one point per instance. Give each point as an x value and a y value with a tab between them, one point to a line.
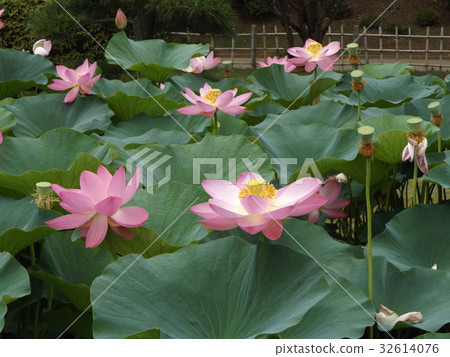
173	220
391	92
24	71
416	237
337	315
85	114
7	119
290	90
154	58
57	156
388	122
195	82
433	336
440	175
14	283
380	71
222	157
227	288
134	97
69	320
70	267
22	223
314	141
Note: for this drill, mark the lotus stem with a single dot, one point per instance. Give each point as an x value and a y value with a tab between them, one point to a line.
369	234
359	106
32	254
415	179
215	124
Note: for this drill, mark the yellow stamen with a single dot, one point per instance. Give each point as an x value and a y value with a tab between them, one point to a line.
212	95
258	187
314	48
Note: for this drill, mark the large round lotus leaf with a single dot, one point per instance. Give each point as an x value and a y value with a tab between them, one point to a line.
416	237
57	156
22	223
337	259
166	130
34	118
134	97
21	70
327	112
7	119
344	312
301	142
173	220
389	122
14	283
70	267
386	93
440	174
154	58
290	90
380	71
222	157
417	289
223	289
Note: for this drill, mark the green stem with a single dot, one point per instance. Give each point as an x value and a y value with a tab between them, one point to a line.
37	311
439	141
359	106
215	124
439	187
33	254
369	234
261	237
415	179
315	74
111	249
51	291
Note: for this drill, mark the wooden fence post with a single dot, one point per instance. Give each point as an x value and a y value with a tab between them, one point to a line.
427	47
366	55
380	30
410	46
264	42
441	47
355	33
275	30
396	44
233	45
253	46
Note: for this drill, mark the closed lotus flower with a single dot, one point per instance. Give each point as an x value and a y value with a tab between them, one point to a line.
255	205
98	204
333	207
288	66
80	80
42	47
408	153
121	20
313	54
202	63
212	99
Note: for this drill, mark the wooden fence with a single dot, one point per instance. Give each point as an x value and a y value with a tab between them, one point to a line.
429	50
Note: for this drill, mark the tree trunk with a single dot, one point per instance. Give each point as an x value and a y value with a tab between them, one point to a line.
143	21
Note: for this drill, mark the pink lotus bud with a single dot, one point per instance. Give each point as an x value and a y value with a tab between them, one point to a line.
1	13
42	47
121	20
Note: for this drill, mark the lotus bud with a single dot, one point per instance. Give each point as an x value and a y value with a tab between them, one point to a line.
352	49
42	47
121	20
415	125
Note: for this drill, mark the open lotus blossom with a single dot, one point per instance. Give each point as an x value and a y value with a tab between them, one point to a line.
42	47
1	13
212	99
288	66
202	63
408	153
332	208
312	54
255	205
80	80
98	204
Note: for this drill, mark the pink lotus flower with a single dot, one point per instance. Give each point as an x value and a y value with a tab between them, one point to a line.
121	20
1	13
1	137
288	66
313	54
98	204
332	208
255	205
202	63
408	153
80	80
42	47
212	99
